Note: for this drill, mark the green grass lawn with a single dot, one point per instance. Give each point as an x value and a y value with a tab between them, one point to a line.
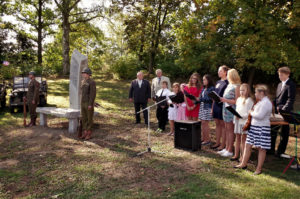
48	162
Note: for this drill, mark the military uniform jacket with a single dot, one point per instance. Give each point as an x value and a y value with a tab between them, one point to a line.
33	91
88	91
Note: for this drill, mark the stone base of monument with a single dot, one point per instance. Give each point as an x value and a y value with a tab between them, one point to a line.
71	114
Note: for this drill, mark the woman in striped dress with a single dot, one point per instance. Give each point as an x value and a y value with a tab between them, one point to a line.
205	113
259	134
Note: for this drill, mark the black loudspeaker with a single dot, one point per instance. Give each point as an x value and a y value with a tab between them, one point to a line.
188	135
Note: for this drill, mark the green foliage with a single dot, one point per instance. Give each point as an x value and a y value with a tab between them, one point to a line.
243	34
90	43
126	67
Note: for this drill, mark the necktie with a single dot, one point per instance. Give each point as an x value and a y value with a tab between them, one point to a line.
159	80
282	86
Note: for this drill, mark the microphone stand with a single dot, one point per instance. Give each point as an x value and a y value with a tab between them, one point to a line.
149	149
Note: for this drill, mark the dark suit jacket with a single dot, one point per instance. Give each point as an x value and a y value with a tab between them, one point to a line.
285	98
140	95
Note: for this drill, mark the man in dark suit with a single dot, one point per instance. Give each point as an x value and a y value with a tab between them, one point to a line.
140	94
285	97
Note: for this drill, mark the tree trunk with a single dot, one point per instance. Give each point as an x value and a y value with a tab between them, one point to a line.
40	27
251	76
66	45
151	60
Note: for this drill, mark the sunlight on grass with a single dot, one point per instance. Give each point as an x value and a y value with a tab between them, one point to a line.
55	164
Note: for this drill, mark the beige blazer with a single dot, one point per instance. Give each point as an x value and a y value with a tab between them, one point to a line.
155	86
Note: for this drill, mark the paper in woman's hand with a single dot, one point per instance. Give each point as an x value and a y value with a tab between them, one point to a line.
191	97
215	96
233	111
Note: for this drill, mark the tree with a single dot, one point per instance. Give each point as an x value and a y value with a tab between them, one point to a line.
71	14
248	35
87	37
40	17
146	23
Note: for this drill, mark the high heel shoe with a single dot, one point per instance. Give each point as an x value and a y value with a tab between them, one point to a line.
238	167
234	159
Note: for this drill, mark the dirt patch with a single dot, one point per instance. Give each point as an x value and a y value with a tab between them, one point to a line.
8	163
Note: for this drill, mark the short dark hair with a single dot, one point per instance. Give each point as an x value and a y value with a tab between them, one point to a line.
285	70
225	68
209	79
165	82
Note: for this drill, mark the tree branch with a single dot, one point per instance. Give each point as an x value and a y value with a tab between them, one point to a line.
74	5
58	5
84	20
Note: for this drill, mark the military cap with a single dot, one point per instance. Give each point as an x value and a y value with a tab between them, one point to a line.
32	73
87	71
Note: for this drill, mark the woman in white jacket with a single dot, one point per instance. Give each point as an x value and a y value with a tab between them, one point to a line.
259	133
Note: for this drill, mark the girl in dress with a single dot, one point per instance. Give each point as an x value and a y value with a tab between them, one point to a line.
181	115
217	109
174	104
259	134
194	88
205	113
243	105
162	108
231	93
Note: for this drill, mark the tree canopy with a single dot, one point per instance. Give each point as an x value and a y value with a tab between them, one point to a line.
254	36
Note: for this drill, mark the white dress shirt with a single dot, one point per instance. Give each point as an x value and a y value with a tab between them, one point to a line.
283	83
140	81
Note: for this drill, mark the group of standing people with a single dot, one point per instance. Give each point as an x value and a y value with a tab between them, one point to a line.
235	136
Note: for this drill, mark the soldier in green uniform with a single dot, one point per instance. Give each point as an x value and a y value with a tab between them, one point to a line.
88	94
32	97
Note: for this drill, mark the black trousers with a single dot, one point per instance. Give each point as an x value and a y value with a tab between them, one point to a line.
137	107
285	131
162	117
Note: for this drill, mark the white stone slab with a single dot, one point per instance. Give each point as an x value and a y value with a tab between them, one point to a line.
78	62
59	112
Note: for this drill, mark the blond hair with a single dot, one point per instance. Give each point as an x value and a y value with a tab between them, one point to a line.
248	94
175	84
262	88
233	77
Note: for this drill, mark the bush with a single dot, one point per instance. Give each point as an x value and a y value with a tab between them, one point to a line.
125	67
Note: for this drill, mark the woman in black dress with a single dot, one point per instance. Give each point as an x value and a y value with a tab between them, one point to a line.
217	108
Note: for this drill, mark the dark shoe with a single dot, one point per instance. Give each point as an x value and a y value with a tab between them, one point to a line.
234	159
214	147
237	167
137	122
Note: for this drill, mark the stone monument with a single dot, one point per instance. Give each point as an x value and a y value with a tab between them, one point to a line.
78	62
